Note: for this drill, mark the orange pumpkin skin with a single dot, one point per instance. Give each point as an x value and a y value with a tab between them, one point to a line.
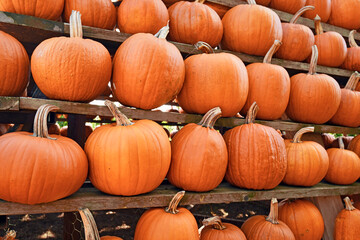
355	145
344	14
219	9
191	22
347	223
48	9
261	24
332	49
352	60
290	6
322	8
14	66
263	2
110	238
134	68
142	16
231	232
206	86
303	218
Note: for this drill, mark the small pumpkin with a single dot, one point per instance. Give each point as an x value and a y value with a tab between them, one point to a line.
290	6
347	222
352	60
215	229
355	145
344	13
322	8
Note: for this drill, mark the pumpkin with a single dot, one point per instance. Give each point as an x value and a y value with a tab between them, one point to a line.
307	161
168	3
344	167
211	80
128	158
142	16
198	155
257	155
251	29
63	67
170	223
347	222
9	235
297	39
349	110
148	71
290	6
328	139
215	229
272	99
344	14
48	9
263	2
191	22
322	8
331	45
257	227
39	179
314	98
218	8
94	13
303	218
14	66
352	61
355	145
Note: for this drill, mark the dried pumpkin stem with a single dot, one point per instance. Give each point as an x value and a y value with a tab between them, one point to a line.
274	212
204	47
200	1
314	59
121	119
348	204
163	32
251	114
341	143
353	81
172	208
300	12
318	27
40	121
10	235
272	51
301	132
91	231
215	222
352	41
210	118
75	24
251	2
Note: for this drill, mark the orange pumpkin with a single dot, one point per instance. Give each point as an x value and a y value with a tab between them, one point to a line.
14	66
297	39
191	22
128	159
215	230
94	13
322	8
355	145
344	13
347	222
148	71
272	99
263	2
218	8
307	161
257	155
165	224
251	29
290	6
256	227
48	9
314	98
214	80
303	218
47	156
352	60
63	67
142	16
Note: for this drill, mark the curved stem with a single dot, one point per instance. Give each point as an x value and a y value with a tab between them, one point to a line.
300	12
348	204
204	47
91	231
163	32
298	134
215	222
75	24
121	119
272	51
353	81
274	212
40	121
314	59
318	27
10	235
352	41
341	143
172	208
210	118
251	2
251	114
200	1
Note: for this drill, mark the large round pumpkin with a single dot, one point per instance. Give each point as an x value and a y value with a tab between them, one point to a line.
73	69
251	29
347	222
314	98
322	8
274	98
344	13
216	230
165	224
352	60
290	6
46	169
14	66
214	80
257	155
355	145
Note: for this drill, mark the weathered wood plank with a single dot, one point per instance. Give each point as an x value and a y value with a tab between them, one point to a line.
9	103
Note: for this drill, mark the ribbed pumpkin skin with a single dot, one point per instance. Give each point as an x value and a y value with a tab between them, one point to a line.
355	145
142	16
231	232
198	158
290	6
322	8
48	9
219	9
257	157
303	218
349	110
344	167
50	169
307	163
156	224
14	66
214	80
191	22
251	29
148	72
344	13
128	160
272	99
313	98
85	68
352	60
347	225
332	49
94	13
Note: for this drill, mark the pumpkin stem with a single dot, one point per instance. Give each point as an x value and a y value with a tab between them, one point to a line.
40	121
318	28
215	222
251	2
352	41
172	208
353	81
204	47
91	231
210	118
314	59
272	51
251	114
121	119
341	143
10	235
75	24
300	12
301	132
348	204
200	1
163	32
274	212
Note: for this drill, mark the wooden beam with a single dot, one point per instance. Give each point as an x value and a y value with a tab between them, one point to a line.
9	104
